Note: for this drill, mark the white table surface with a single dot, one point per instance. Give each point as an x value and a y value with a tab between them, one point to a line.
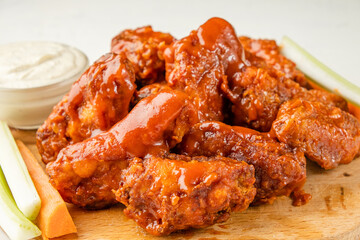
329	29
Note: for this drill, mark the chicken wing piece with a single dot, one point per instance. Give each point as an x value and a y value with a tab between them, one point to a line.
201	63
85	173
199	73
327	135
258	94
279	170
96	101
269	51
256	97
144	48
165	195
218	35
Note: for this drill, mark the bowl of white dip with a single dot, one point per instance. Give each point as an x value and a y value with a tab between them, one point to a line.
34	76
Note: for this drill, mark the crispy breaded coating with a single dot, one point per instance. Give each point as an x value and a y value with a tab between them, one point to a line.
145	49
326	134
269	51
258	94
279	170
164	195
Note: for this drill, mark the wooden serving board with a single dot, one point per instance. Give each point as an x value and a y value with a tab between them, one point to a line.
333	212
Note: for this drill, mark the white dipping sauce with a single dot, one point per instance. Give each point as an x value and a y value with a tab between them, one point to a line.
34	76
35	64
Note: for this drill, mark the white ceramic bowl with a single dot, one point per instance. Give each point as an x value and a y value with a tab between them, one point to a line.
26	107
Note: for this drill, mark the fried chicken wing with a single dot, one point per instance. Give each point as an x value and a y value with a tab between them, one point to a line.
201	63
198	72
85	173
96	101
258	94
256	97
269	51
165	195
144	48
218	35
327	135
279	170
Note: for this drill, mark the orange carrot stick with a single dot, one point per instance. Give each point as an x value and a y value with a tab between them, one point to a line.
54	219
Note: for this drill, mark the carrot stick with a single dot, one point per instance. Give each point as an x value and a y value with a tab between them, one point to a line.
54	218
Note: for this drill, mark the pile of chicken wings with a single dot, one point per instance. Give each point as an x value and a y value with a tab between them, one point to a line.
183	132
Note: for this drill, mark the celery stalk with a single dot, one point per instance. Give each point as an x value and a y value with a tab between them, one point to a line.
17	175
320	73
12	221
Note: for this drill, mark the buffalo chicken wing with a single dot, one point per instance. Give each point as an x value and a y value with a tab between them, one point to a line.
164	195
258	94
144	48
269	51
198	72
326	134
279	170
96	101
85	173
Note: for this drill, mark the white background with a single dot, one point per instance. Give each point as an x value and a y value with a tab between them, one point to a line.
330	30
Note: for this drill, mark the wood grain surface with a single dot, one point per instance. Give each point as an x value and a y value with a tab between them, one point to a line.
333	212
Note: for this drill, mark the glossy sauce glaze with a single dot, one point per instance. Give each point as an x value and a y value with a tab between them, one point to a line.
219	36
198	72
201	64
279	170
184	192
96	101
153	126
